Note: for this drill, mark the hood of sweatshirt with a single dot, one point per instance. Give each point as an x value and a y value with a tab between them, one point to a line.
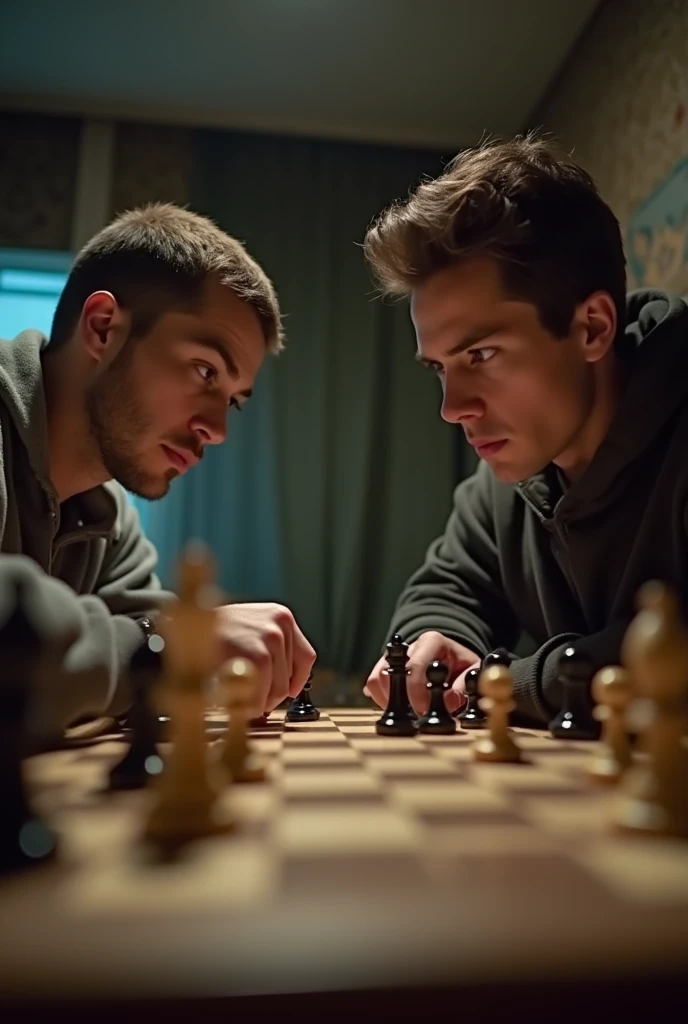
657	324
22	394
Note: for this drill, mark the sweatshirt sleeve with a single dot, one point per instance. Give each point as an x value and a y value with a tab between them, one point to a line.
538	691
102	627
458	590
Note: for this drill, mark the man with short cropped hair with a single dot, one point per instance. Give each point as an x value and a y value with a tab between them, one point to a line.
161	328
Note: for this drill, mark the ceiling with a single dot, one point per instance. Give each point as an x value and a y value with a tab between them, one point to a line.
411	72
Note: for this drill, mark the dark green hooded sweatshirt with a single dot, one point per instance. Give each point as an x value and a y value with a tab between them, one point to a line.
87	566
564	566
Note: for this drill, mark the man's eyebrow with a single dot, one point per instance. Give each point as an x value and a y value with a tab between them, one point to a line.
211	342
476	336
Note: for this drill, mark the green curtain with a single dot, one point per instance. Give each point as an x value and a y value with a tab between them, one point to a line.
340	471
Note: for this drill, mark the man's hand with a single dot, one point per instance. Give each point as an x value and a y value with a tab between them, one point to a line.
428	647
267	635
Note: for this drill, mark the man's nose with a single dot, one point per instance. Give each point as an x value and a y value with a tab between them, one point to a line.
460	405
210	428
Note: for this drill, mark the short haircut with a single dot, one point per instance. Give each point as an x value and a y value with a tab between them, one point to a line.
522	202
157	259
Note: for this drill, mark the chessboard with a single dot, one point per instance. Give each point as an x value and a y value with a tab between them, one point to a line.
361	863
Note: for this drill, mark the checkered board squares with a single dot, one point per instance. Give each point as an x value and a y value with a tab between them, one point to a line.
347	812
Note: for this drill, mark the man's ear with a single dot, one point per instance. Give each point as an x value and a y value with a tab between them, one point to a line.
598	317
103	325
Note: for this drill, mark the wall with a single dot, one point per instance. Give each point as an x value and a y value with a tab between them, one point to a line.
621	104
39	174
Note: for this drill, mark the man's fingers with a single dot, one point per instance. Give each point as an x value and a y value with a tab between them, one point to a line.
377	684
302	661
279	684
378	690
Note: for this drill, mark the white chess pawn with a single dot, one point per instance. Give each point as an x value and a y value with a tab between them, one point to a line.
238	678
497	688
654	797
611	691
187	801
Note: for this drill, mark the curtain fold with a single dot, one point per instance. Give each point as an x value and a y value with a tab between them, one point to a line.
339	472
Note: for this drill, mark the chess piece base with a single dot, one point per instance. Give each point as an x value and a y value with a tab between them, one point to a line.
473	723
390	726
646	818
303	715
251	771
605	770
433	727
486	750
188	824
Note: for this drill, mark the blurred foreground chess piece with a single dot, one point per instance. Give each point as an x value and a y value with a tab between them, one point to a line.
398	718
654	791
497	689
25	840
437	721
575	721
141	761
611	691
238	679
302	708
187	794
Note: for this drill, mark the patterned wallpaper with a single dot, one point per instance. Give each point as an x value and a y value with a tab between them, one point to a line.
38	166
151	163
621	105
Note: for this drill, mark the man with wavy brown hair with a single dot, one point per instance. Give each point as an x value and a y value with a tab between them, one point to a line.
161	329
574	397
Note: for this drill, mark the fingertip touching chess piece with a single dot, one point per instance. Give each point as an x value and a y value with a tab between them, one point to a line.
25	839
497	688
302	708
437	720
611	691
398	718
654	791
238	677
575	721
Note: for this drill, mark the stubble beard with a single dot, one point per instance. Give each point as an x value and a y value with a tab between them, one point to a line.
117	424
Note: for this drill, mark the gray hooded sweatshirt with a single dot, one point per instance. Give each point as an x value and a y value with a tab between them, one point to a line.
88	569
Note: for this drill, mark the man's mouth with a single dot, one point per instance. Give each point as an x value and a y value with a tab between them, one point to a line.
181	458
486	449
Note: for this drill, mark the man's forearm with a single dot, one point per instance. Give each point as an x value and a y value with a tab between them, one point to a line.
538	690
90	678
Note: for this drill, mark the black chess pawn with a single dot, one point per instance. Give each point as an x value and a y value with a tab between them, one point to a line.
141	761
472	715
500	656
398	718
25	840
302	708
575	720
437	721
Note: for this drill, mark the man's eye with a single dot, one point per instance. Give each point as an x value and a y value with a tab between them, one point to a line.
236	404
481	355
209	373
